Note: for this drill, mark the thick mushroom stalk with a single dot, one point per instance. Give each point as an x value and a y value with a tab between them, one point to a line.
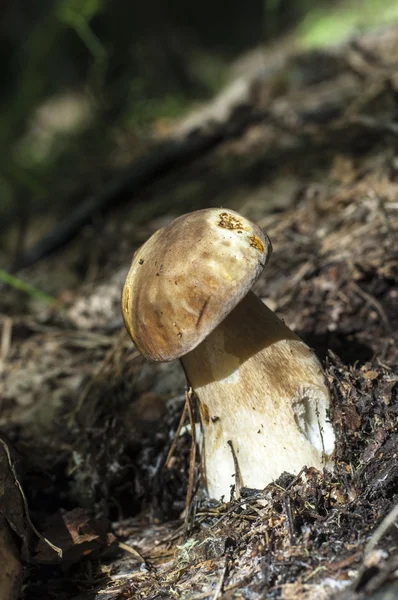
261	391
262	398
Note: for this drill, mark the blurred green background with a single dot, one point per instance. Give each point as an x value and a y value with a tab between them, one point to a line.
84	82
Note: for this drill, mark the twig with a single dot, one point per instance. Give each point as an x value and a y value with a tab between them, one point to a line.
5	343
381	530
192	458
132	551
220	585
172	154
372	301
229	549
238	475
149	567
25	502
176	436
317	570
289	517
376	125
296	479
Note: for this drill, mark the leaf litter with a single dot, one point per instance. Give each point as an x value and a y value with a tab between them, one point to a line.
93	423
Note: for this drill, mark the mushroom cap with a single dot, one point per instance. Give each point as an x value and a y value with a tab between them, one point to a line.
188	277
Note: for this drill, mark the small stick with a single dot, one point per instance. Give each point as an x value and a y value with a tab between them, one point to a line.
220	584
373	302
192	459
132	551
5	344
229	549
238	476
289	517
25	502
381	530
176	436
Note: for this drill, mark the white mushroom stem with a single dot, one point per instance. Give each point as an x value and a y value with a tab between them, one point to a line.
262	397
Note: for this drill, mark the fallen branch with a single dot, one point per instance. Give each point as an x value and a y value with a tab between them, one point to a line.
304	116
169	155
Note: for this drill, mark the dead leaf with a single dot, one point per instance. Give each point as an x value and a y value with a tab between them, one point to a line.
370	375
12	507
77	533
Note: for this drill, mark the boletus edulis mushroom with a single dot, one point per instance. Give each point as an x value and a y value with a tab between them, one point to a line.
261	391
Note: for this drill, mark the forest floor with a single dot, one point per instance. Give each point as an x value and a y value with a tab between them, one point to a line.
306	146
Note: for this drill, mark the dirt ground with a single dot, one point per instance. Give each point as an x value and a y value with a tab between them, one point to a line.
87	423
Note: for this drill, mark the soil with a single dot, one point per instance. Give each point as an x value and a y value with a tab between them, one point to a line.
87	423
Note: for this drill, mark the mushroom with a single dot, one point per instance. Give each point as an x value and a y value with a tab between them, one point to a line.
261	392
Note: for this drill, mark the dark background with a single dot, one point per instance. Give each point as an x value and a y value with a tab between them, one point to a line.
84	82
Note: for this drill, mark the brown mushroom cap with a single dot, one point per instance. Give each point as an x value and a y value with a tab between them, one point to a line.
188	277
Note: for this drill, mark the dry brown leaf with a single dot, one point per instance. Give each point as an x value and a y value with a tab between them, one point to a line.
77	533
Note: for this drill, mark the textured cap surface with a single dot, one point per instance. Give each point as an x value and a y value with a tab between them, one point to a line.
188	277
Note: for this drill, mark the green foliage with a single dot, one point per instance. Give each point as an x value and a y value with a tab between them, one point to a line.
125	69
325	25
70	10
77	14
26	288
